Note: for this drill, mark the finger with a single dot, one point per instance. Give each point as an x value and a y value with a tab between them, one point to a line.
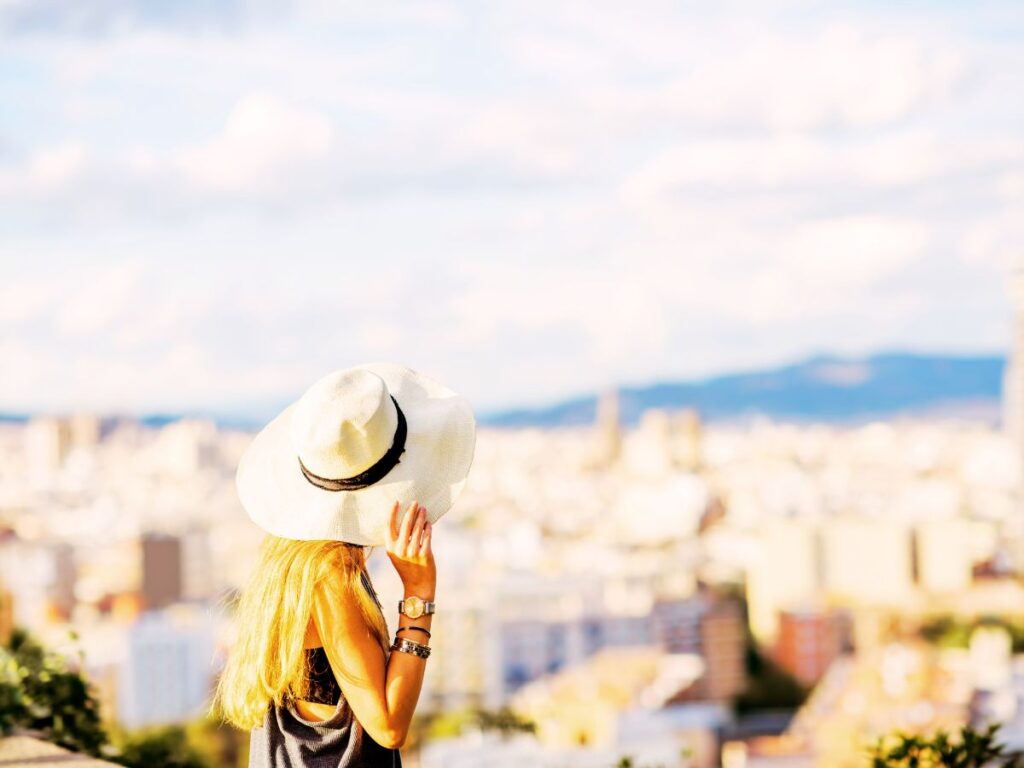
407	521
417	543
393	523
424	550
417	532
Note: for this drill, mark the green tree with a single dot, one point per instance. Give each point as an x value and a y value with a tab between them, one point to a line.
972	749
41	693
219	743
769	686
505	721
158	747
946	631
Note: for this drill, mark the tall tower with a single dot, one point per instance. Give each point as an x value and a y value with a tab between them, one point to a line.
161	570
1013	378
607	430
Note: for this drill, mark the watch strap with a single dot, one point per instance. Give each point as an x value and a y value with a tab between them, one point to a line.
429	606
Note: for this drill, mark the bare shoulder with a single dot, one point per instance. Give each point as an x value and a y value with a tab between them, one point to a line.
349	641
335	603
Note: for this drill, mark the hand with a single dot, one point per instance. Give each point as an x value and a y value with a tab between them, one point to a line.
408	546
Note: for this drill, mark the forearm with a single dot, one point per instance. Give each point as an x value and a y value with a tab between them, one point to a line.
405	671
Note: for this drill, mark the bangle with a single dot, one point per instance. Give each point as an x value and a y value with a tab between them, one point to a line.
409	646
421	629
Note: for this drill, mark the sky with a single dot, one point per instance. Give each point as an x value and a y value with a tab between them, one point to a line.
207	206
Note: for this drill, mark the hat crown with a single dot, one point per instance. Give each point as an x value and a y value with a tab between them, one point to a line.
344	423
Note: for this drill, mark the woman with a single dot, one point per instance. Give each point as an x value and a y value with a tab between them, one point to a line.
312	673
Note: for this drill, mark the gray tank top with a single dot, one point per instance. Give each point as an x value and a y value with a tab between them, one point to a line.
287	740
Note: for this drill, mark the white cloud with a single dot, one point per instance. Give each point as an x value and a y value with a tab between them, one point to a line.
262	137
56	166
531	198
95	304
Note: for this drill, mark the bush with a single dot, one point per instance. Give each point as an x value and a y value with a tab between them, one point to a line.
504	721
769	686
38	692
41	694
164	746
972	749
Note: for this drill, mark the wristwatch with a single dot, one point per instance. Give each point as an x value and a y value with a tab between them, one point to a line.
414	607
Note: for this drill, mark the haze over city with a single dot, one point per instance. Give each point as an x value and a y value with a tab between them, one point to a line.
583	217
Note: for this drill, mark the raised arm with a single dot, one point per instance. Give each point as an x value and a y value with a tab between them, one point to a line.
382	693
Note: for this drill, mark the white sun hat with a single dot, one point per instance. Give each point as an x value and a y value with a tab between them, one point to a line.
333	463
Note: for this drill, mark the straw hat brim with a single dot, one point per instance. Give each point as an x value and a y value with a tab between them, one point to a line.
433	469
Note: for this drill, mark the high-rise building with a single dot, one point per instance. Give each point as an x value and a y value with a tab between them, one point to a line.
608	431
784	573
41	577
85	429
168	672
197	564
945	561
161	570
186	447
687	452
810	639
710	628
47	442
991	657
647	450
868	561
65	575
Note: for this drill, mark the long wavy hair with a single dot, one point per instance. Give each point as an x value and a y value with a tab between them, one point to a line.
266	665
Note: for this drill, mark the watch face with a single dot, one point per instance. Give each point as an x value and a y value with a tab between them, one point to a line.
413	607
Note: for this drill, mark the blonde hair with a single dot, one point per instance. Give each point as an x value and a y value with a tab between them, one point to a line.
267	663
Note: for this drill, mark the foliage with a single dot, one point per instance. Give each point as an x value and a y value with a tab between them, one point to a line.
769	686
504	721
972	749
40	693
443	725
163	746
202	743
627	761
219	743
950	632
946	632
453	722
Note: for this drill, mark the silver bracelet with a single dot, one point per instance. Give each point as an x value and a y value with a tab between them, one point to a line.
410	646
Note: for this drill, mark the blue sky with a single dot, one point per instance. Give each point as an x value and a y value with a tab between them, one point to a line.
206	206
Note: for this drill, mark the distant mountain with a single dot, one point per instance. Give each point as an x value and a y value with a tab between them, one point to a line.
822	388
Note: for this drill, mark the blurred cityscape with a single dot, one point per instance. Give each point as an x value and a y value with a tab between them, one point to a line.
647	206
746	594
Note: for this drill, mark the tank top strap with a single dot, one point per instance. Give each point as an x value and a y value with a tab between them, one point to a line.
365	577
